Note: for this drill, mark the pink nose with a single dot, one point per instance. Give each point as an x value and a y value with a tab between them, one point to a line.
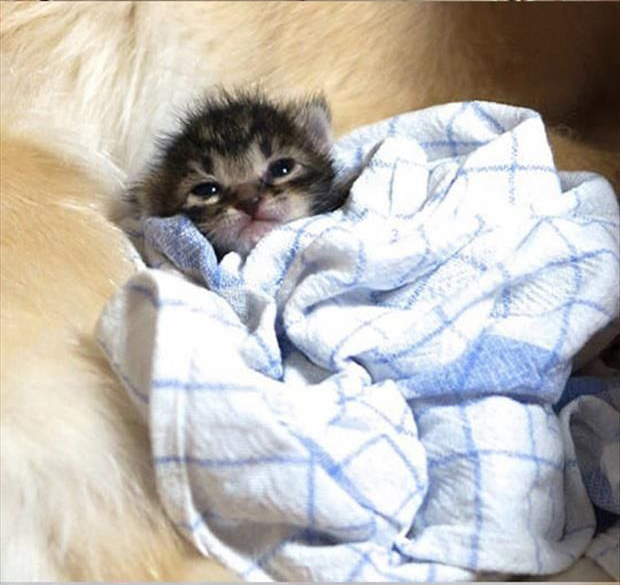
248	197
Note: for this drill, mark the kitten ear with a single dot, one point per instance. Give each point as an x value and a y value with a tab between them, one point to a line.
316	118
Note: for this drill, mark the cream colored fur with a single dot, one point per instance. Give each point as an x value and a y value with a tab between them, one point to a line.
78	499
84	89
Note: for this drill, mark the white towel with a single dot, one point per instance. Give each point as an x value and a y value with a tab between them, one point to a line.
591	418
368	396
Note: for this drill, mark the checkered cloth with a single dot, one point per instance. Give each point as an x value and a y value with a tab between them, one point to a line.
368	397
591	417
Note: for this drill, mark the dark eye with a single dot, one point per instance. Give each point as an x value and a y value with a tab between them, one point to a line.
208	189
281	168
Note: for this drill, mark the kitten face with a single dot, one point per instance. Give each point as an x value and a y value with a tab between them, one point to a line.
243	165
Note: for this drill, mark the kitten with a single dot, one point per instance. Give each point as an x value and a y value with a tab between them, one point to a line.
243	164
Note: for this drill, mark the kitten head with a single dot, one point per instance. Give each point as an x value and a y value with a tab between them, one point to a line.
242	165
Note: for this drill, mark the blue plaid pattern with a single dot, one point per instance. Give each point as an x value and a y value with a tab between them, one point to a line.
368	397
591	416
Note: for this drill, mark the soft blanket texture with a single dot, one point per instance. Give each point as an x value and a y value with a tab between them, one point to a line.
369	395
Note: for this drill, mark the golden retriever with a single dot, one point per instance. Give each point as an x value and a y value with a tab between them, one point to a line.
85	88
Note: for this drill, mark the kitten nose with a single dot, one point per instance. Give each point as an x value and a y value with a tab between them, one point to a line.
248	197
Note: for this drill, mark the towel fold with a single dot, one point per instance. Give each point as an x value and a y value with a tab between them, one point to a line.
368	396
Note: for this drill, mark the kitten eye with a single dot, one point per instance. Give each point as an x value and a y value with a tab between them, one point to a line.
281	168
208	189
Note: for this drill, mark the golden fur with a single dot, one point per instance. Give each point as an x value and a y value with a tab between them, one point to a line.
85	87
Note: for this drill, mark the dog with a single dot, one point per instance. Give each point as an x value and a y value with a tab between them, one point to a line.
85	89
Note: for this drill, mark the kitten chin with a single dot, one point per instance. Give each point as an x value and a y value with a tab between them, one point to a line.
240	233
243	164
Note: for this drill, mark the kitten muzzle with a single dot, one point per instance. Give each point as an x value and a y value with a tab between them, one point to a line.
248	197
249	206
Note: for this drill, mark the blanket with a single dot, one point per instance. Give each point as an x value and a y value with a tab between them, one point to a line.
369	395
